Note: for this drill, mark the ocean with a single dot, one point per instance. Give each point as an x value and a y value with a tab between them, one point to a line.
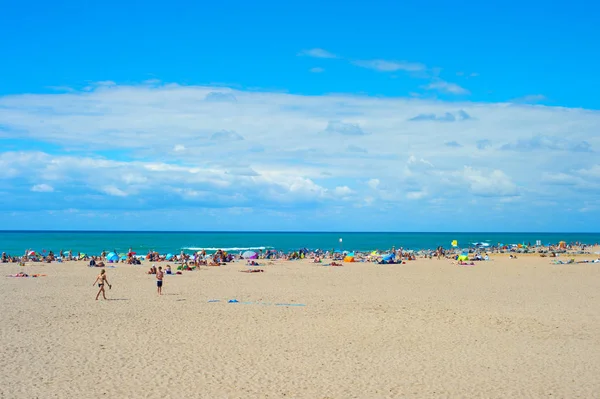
94	242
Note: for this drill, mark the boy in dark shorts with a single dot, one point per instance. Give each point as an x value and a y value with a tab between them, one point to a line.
159	280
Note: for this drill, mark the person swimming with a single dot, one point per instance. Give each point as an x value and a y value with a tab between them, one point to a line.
101	280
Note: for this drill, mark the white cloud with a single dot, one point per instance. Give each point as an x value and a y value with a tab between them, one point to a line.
136	141
592	172
42	188
317	70
114	191
446	87
390	66
373	183
416	195
317	53
343	191
494	184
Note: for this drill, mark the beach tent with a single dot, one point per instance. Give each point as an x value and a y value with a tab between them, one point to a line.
112	257
349	258
463	257
250	255
169	257
389	257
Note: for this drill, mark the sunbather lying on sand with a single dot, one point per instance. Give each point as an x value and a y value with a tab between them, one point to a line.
26	275
252	271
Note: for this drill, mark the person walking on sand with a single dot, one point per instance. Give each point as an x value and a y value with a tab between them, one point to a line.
101	280
159	280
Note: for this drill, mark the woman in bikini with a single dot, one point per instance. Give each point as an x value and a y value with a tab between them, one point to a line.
101	280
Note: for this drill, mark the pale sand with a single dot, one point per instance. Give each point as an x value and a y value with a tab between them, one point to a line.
506	328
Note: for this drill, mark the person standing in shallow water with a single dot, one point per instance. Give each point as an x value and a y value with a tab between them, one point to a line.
159	280
101	280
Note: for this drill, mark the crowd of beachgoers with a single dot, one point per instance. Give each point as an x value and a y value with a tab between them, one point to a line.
475	252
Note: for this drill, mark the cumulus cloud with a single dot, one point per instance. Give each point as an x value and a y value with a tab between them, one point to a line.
114	141
446	87
343	191
317	53
493	184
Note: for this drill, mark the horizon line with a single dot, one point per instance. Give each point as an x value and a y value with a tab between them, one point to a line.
295	232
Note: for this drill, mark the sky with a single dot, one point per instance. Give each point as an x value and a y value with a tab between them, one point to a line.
300	116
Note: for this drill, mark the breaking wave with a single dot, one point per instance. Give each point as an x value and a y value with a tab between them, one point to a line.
225	249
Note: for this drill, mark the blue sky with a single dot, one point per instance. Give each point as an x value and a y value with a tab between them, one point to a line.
300	116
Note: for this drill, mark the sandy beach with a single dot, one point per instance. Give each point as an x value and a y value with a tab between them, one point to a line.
428	328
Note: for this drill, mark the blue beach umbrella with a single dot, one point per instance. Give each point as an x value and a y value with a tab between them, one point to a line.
169	257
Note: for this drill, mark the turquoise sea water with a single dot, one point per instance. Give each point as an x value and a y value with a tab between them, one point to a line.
16	242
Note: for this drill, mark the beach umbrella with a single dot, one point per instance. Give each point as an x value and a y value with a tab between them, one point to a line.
389	257
250	255
169	257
